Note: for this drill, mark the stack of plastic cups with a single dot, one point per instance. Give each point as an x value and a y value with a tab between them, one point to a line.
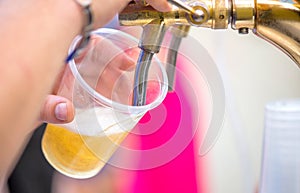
281	153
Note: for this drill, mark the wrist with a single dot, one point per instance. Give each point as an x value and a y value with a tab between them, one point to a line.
72	14
86	28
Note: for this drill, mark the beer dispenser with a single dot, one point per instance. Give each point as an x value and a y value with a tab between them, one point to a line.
276	21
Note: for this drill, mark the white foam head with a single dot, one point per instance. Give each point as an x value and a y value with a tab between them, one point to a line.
101	121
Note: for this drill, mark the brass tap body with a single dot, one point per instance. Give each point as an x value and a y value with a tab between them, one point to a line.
277	21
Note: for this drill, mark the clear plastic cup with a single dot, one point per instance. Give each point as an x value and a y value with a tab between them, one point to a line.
281	151
101	90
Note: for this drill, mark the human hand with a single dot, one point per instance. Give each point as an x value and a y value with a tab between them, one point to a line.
160	5
56	109
105	11
103	65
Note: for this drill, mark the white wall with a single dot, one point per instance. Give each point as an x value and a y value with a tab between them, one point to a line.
254	72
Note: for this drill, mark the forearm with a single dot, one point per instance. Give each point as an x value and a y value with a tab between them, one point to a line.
31	57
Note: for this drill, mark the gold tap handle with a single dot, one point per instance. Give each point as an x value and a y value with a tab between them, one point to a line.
136	13
185	7
197	15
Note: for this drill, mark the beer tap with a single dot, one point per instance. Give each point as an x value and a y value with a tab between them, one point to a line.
276	21
153	34
150	42
155	25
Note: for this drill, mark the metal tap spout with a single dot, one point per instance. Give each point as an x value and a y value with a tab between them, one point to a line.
178	32
150	42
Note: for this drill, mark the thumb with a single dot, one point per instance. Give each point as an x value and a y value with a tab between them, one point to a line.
57	109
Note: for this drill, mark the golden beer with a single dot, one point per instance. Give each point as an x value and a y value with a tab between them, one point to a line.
76	155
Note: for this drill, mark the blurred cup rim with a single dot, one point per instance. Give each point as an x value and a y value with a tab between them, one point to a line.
284	105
